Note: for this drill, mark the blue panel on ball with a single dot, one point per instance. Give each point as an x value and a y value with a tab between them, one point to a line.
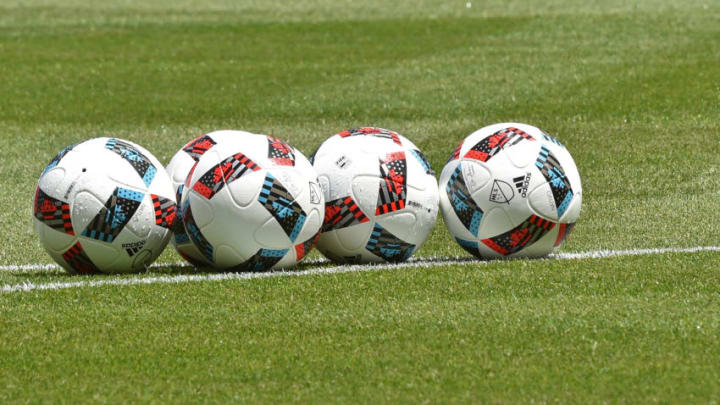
113	217
282	206
555	176
462	202
384	244
262	260
141	163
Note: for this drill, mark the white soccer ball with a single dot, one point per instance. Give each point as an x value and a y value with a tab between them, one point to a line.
510	190
178	169
381	196
104	206
252	203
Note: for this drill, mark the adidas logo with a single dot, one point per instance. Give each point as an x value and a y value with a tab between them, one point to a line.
133	248
522	183
342	162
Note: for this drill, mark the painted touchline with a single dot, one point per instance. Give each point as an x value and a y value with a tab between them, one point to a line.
424	262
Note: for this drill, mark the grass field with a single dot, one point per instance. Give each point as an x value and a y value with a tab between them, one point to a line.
631	88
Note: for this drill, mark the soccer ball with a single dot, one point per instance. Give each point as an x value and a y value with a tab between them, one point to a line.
510	190
252	203
381	196
178	169
104	206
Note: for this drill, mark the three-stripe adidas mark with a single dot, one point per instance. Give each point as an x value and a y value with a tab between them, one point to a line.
522	183
133	248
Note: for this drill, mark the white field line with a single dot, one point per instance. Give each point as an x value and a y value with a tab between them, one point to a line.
55	267
424	262
30	267
631	252
228	276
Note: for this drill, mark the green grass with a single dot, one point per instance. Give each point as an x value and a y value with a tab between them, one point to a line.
514	331
631	89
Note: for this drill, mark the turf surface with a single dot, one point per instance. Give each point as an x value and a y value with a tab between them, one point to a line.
630	88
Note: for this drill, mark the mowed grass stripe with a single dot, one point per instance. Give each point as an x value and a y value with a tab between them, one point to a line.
418	263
